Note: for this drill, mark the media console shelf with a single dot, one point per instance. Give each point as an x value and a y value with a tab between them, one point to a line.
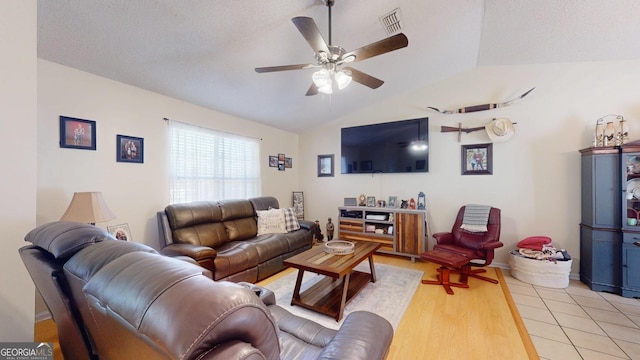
398	231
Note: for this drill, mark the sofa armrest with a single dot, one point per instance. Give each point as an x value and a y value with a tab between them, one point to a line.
267	296
204	255
234	349
306	224
363	335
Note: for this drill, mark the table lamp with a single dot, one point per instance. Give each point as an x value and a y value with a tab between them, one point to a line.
88	207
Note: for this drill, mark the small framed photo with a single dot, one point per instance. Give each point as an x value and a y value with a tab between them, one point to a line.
77	133
129	149
120	232
288	162
325	165
281	157
477	159
273	161
393	202
371	201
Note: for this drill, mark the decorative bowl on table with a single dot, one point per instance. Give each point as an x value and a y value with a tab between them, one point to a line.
339	247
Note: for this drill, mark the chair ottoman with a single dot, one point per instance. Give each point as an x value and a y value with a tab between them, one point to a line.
448	261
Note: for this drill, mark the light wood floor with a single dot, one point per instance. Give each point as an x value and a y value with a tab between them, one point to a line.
475	323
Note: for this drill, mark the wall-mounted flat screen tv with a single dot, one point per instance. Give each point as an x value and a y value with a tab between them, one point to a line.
391	147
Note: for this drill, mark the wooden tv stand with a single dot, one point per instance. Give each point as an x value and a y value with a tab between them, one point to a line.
398	231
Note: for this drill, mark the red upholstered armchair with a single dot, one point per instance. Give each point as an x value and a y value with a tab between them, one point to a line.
473	245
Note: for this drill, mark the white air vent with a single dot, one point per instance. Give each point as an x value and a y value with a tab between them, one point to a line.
391	22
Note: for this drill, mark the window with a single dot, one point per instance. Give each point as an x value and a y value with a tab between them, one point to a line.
212	165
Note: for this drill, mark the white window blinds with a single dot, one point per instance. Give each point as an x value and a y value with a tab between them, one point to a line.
212	165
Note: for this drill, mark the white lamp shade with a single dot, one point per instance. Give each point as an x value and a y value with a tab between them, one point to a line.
88	207
321	78
343	79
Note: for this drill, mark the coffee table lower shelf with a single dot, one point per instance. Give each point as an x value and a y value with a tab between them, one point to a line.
328	297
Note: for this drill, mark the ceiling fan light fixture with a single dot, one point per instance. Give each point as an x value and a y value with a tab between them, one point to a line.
322	78
343	78
349	58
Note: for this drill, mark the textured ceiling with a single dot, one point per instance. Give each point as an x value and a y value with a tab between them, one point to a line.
205	52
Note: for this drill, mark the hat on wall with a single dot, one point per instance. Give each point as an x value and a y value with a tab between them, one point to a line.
499	130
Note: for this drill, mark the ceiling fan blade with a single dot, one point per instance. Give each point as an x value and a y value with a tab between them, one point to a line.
383	46
364	79
311	33
313	90
284	68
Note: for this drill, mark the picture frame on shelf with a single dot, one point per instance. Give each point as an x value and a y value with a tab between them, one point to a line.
120	231
325	165
371	201
477	159
77	133
298	204
288	162
129	149
393	202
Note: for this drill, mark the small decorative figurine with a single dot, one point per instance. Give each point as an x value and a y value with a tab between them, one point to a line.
404	204
329	230
319	236
412	204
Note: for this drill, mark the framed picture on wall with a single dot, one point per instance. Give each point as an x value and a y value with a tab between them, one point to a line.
129	149
325	165
273	161
477	159
77	133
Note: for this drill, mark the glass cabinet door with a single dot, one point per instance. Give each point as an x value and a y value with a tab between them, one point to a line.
631	174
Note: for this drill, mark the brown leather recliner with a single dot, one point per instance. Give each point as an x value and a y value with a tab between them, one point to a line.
122	300
478	247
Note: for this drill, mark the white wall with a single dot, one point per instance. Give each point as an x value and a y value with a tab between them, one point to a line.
18	163
536	174
134	192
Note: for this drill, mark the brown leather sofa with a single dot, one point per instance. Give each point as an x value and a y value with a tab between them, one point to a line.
114	299
222	237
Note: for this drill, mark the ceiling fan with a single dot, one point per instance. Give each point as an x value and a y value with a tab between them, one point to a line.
330	58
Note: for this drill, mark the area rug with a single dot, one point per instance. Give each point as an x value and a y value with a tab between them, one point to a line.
388	297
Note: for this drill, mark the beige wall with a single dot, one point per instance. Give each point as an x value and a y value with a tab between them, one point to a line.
18	163
536	174
134	192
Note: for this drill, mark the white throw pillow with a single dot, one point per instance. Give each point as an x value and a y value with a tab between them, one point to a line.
271	222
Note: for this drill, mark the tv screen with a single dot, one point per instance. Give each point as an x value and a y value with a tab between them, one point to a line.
392	147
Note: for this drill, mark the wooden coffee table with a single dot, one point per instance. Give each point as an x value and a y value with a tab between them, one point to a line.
329	296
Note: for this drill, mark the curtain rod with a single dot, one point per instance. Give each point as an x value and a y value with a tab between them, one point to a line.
226	132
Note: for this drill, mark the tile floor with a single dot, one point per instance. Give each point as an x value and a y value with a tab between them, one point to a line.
577	323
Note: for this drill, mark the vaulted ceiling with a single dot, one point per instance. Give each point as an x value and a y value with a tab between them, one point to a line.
205	52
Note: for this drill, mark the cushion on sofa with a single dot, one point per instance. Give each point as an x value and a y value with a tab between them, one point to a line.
211	234
290	220
271	222
64	238
241	229
194	213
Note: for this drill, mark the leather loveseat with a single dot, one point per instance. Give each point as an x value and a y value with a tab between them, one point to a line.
114	299
222	236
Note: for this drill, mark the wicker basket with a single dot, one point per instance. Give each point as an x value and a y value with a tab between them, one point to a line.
339	247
